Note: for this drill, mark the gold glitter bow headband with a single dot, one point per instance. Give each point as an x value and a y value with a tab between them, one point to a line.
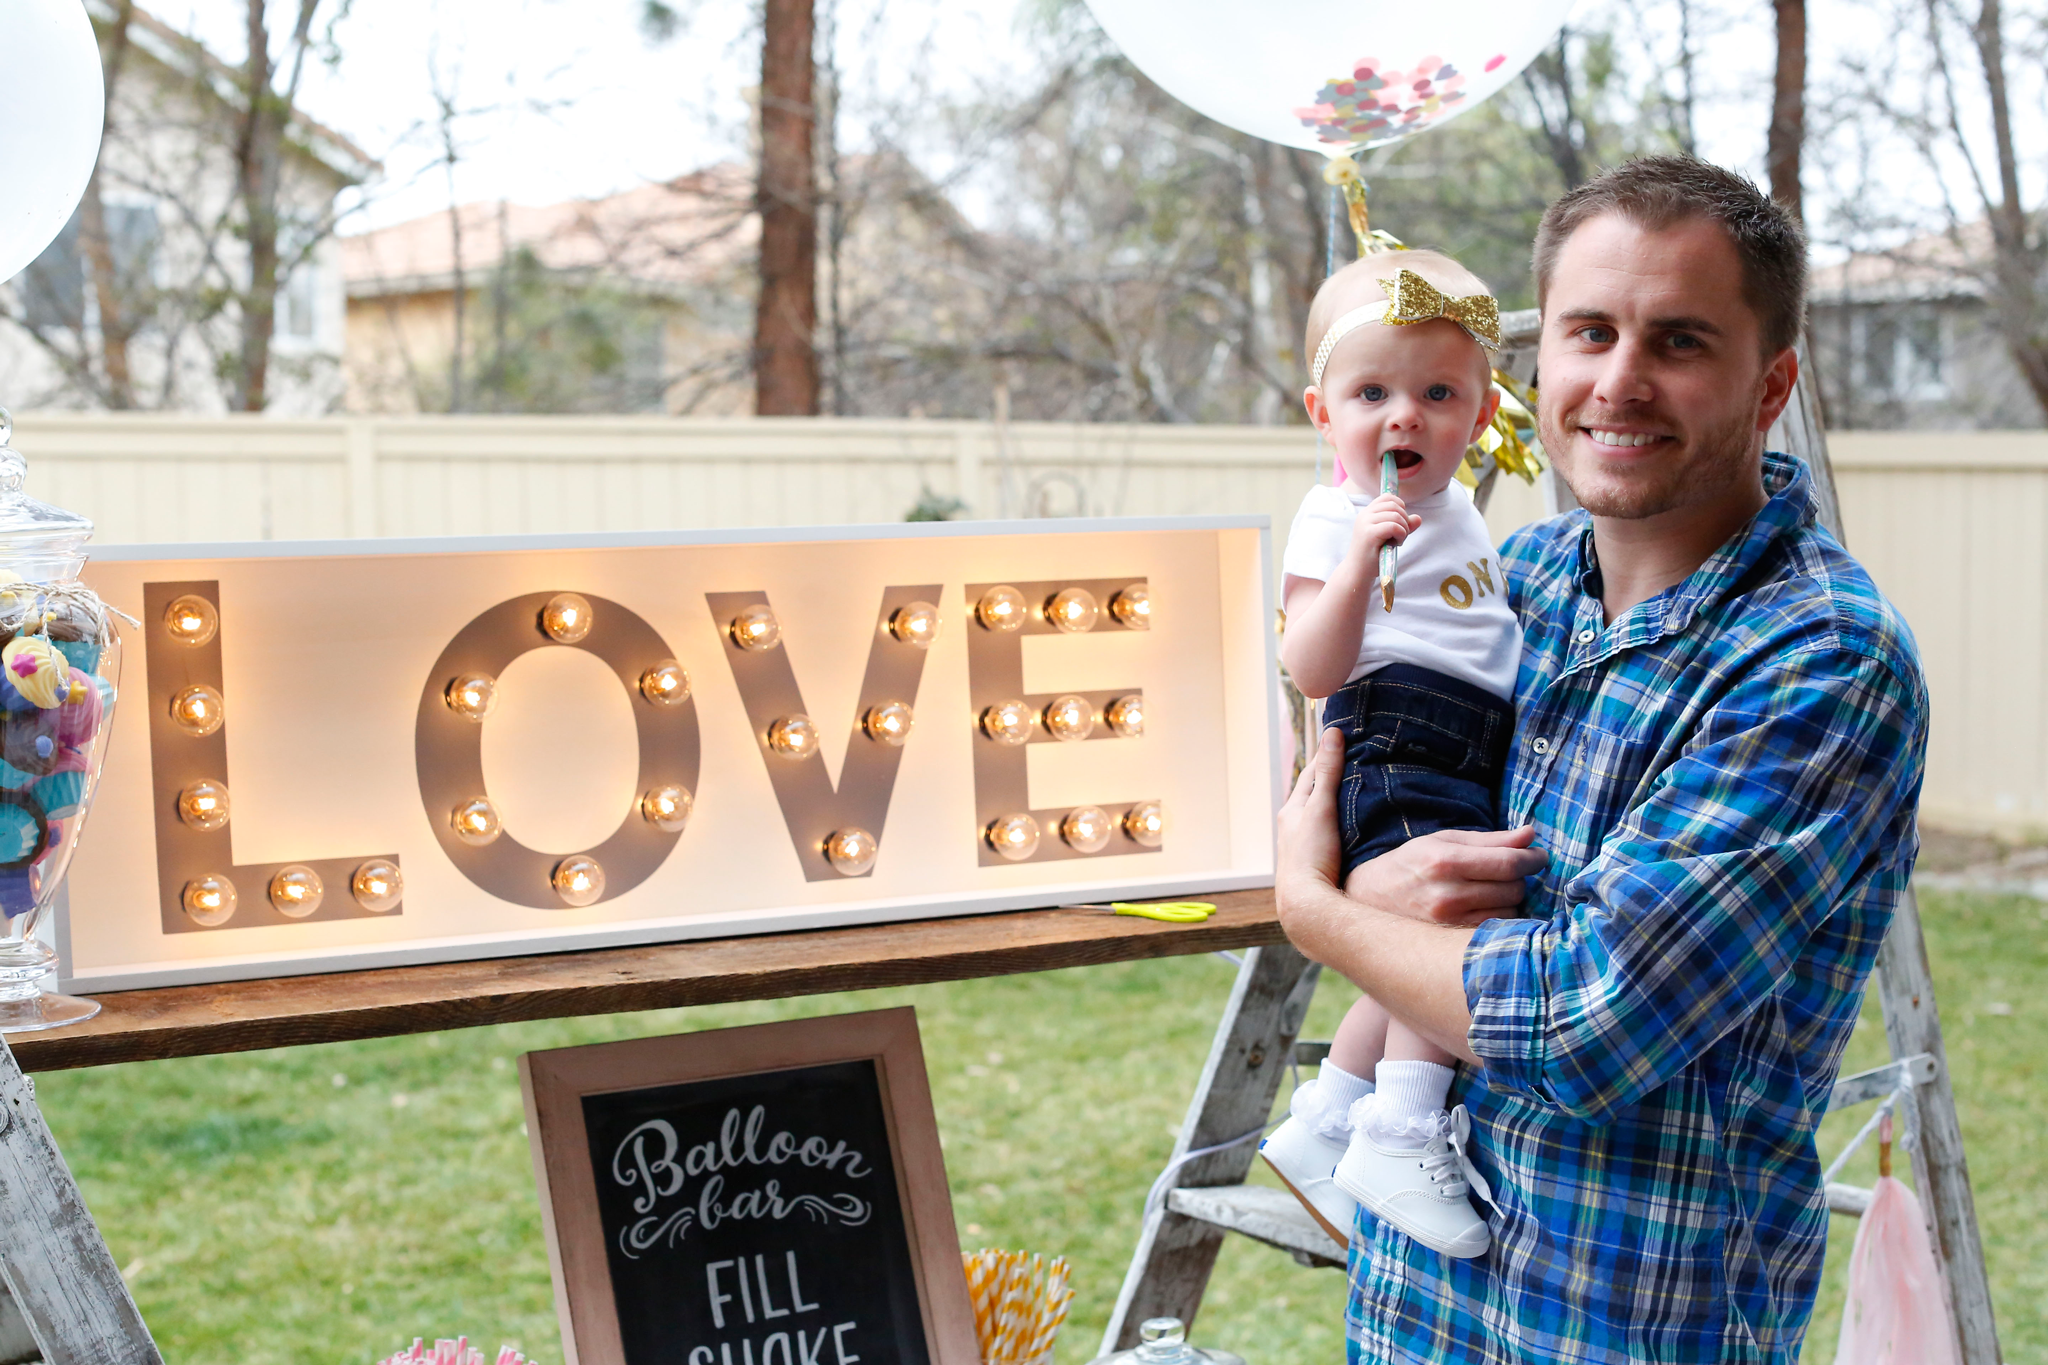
1411	299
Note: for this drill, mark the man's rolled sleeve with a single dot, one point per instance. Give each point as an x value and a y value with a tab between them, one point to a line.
1692	912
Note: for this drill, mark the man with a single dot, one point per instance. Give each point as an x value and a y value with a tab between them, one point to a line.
1719	738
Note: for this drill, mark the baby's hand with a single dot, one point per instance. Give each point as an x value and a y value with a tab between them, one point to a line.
1385	519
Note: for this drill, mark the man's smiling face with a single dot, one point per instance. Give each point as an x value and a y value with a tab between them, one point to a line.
1655	393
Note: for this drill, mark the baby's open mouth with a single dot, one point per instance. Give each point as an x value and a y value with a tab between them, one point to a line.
1405	459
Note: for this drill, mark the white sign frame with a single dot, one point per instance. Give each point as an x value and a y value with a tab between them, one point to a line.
102	936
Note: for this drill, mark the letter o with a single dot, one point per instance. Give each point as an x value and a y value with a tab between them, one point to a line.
1456	591
448	749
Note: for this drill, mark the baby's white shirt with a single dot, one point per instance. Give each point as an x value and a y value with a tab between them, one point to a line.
1451	608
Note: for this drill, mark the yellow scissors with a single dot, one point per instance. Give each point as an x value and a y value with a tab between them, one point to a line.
1170	912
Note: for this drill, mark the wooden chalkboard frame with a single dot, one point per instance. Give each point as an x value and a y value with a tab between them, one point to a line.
554	1084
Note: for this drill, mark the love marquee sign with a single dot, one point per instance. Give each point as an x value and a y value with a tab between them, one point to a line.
377	752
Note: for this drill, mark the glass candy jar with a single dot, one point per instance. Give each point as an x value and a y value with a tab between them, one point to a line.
59	662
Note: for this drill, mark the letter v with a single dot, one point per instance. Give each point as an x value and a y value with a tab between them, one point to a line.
811	808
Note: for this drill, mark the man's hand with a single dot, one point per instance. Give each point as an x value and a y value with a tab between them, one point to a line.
1308	849
1454	876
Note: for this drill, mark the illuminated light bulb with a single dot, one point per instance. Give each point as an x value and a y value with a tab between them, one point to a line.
1073	610
476	821
204	804
1087	829
851	851
1070	718
888	723
1145	823
665	684
1001	608
198	710
296	891
191	620
1014	836
209	900
667	807
1008	722
377	885
1126	716
566	618
1133	606
915	623
756	628
472	696
793	737
579	880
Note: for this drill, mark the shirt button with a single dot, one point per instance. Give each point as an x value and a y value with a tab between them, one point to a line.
1541	746
1586	637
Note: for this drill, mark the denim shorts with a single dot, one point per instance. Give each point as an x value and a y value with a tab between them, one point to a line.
1423	751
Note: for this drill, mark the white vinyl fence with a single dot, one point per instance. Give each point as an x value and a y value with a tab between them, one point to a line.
1954	526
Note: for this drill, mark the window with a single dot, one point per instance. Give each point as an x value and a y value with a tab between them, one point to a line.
1904	353
53	287
297	300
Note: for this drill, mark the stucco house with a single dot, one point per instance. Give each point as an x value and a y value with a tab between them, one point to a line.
1905	338
640	301
167	181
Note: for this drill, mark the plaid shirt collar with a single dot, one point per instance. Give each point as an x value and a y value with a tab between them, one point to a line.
1788	506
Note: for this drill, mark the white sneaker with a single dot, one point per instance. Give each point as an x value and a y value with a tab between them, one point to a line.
1303	1152
1417	1180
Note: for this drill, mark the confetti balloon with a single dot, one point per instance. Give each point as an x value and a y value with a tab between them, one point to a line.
1331	75
50	133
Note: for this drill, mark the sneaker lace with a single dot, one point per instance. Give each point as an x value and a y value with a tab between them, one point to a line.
1446	1162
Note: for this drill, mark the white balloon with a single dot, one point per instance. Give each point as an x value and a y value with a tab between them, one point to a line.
50	135
1331	74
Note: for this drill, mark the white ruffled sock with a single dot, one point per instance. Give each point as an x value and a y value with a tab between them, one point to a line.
1411	1097
1325	1102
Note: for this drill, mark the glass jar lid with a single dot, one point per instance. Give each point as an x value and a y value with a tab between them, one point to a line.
30	528
1163	1341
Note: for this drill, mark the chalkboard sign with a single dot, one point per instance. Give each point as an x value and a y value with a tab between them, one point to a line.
772	1195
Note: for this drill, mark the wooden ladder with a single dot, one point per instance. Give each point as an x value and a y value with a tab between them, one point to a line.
1206	1197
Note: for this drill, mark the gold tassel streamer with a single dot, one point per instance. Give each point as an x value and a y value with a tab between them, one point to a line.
1342	172
1510	440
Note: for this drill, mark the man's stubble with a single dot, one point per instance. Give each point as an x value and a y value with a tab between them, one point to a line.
1725	459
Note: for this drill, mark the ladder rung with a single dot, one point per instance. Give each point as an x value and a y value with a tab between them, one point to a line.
1311	1052
1264	1214
1850	1199
1880	1081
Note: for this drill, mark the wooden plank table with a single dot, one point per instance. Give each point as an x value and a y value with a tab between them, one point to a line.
241	1016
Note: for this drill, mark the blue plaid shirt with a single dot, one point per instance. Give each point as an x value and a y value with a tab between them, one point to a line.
1725	780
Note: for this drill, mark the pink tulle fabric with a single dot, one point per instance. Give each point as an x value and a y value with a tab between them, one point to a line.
1896	1313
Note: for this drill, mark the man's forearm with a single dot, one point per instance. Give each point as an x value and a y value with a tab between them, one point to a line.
1415	970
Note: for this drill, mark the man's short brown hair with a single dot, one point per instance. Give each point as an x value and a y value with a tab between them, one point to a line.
1656	192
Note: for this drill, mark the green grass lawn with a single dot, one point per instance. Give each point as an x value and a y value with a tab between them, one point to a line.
327	1204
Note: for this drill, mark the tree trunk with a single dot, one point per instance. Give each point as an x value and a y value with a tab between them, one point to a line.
2018	259
117	385
786	314
1565	137
256	158
1788	106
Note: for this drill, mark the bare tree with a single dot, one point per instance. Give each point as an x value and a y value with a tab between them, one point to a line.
113	381
267	107
1788	106
1943	84
786	311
